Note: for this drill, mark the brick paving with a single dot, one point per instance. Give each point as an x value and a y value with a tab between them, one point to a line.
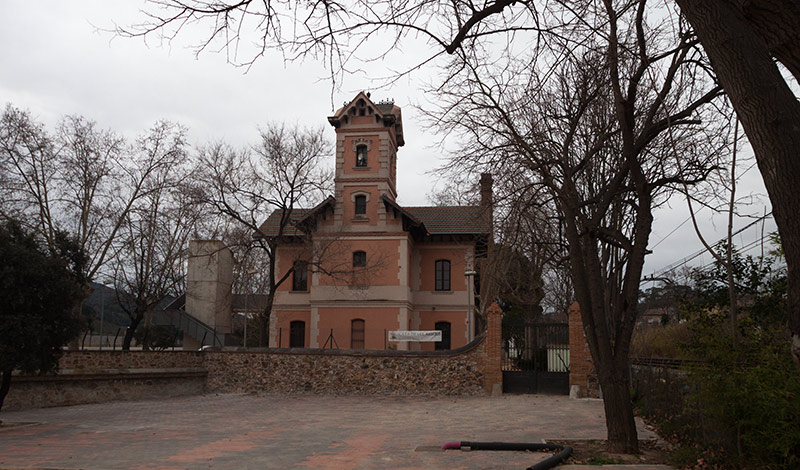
276	432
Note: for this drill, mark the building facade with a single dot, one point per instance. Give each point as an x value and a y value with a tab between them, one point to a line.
361	265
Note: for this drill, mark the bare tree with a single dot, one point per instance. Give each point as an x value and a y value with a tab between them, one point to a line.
725	191
584	125
282	173
156	229
80	179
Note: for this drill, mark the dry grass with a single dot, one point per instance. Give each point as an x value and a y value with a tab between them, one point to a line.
661	341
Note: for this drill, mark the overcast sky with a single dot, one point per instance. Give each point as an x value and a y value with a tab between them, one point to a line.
54	62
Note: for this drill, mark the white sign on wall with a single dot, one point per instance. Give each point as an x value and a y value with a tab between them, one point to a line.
401	335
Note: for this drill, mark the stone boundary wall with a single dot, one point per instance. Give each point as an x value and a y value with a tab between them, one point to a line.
109	385
347	372
95	360
102	376
471	370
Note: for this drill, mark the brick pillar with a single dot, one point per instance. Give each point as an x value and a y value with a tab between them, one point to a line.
580	359
493	373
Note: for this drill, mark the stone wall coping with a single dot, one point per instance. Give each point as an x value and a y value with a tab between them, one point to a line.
114	374
358	353
120	352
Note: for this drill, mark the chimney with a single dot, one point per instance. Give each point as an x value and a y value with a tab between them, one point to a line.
486	200
486	189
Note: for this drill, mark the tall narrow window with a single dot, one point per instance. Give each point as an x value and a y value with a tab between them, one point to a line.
444	344
361	204
297	334
361	156
359	259
442	274
300	276
357	334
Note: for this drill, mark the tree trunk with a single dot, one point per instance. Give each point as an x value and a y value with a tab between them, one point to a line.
620	424
263	327
126	343
5	385
777	22
770	115
609	359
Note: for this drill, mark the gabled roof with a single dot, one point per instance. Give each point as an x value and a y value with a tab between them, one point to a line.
435	220
440	220
297	219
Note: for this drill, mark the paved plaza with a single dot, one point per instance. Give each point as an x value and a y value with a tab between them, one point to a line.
276	432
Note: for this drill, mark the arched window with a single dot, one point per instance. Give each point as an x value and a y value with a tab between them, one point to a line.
361	204
300	276
444	344
297	334
357	334
443	274
359	259
361	156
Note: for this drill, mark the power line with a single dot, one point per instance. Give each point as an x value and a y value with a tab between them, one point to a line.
686	259
690	217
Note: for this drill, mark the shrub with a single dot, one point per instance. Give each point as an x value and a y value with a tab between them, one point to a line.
747	393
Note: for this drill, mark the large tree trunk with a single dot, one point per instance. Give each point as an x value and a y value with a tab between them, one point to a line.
5	385
621	428
777	22
770	115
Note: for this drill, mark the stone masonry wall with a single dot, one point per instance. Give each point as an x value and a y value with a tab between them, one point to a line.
101	376
95	360
346	372
471	370
63	390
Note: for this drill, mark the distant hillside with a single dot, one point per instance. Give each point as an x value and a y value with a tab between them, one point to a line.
104	299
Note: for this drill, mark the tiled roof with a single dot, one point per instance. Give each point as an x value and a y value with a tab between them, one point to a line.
438	220
271	226
451	219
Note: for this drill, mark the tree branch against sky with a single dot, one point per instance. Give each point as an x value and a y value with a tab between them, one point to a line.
585	127
284	172
155	232
80	178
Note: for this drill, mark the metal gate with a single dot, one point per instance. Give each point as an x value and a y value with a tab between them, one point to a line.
536	358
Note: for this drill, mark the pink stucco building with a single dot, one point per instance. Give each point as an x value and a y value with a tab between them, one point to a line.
363	264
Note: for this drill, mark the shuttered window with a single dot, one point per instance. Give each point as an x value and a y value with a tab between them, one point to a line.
443	274
357	334
361	205
300	276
